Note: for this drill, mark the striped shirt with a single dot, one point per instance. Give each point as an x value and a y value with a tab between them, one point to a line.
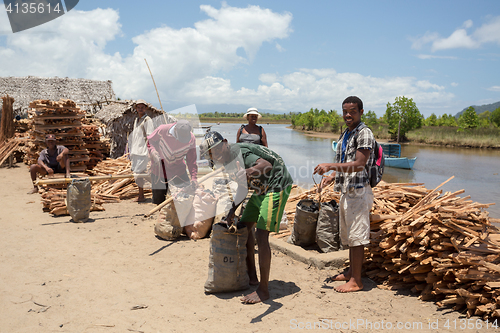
361	138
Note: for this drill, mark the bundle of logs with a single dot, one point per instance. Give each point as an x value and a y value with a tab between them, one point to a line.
439	245
63	119
103	191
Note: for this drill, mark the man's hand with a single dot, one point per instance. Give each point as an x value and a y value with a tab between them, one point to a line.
50	172
325	181
155	157
322	168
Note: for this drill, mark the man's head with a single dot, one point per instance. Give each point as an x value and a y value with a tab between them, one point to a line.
141	107
183	131
214	147
352	109
50	140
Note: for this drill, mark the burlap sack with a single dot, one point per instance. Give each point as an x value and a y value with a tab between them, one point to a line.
225	190
204	206
327	229
168	227
78	199
304	224
227	267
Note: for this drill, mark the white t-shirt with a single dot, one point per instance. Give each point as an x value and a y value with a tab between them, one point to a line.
137	141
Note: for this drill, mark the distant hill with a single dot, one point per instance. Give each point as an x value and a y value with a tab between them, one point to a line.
481	108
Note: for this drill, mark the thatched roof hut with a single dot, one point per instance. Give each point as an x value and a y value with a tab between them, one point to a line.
85	93
119	119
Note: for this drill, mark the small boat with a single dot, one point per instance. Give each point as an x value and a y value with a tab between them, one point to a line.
393	159
392	155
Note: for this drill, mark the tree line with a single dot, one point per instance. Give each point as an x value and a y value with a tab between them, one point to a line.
403	115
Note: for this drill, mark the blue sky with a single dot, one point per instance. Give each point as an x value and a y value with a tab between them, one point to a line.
278	56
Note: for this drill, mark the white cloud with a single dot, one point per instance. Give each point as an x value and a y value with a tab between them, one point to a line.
458	39
62	47
430	56
489	32
322	88
454	84
468	24
280	48
428	37
494	88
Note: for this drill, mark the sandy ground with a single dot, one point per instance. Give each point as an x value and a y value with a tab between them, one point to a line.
113	275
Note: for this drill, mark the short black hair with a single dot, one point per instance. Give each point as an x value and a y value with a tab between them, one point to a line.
355	100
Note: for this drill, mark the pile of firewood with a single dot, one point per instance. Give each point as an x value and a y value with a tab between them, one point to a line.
114	190
439	245
54	202
103	191
62	118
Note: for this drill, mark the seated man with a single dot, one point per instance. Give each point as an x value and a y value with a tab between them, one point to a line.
52	160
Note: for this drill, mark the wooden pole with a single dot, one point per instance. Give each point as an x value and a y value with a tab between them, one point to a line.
91	178
201	180
165	117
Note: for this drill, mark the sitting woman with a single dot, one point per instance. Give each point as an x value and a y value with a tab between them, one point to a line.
252	133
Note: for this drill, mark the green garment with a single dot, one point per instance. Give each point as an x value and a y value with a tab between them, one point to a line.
276	179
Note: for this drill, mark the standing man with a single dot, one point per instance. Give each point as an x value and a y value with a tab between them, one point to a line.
137	142
169	145
354	153
267	175
53	159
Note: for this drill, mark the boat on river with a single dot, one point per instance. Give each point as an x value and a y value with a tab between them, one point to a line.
393	159
392	155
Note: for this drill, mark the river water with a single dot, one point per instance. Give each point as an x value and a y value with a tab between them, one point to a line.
477	171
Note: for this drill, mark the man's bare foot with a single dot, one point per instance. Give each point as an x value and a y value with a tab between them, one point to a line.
33	191
255	297
338	277
140	199
349	287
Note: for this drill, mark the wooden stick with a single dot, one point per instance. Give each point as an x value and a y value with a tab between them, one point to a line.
91	178
201	180
165	117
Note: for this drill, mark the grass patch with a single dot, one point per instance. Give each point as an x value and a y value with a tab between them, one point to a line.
449	136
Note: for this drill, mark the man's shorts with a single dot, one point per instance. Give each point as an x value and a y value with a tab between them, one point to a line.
267	209
354	216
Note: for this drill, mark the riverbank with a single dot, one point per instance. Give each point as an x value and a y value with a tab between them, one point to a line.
241	120
442	138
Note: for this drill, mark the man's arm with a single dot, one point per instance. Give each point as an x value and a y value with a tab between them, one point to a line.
357	165
45	167
191	163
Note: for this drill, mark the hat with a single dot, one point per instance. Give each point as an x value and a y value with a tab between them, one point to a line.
183	131
50	137
210	140
252	111
141	101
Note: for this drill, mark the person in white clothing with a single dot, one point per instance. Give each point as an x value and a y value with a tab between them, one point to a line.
137	143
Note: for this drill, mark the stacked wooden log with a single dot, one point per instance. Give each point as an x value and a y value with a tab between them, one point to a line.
103	191
62	118
54	202
440	245
7	120
95	143
115	190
